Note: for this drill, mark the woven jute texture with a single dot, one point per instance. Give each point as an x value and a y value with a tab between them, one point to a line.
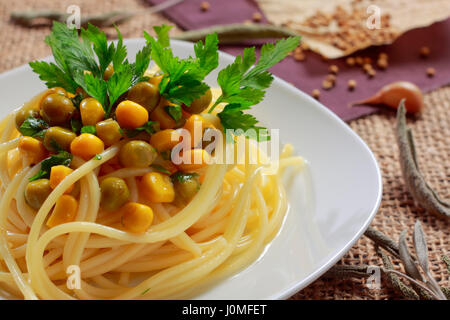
18	45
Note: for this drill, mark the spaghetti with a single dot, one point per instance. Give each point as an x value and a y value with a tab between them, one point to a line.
168	232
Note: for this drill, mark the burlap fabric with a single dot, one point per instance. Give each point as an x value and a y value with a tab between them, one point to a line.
18	45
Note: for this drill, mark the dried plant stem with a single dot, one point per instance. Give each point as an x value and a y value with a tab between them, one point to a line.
415	182
361	272
28	18
383	241
345	272
393	278
446	260
237	33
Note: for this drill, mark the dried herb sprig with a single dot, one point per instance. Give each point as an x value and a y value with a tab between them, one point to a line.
424	288
237	33
394	279
107	19
421	247
383	241
415	182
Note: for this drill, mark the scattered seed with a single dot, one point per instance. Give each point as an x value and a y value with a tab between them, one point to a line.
431	72
351	84
299	56
371	73
367	67
304	46
334	69
298	50
350	61
424	52
248	22
359	61
316	94
382	63
331	78
204	6
326	84
383	56
257	17
367	60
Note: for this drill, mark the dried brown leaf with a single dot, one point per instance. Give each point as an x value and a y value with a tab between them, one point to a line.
404	15
406	258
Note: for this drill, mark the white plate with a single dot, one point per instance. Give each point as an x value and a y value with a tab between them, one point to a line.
331	205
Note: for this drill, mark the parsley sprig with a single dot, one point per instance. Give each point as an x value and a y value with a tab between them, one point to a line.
243	86
61	158
82	63
33	127
182	82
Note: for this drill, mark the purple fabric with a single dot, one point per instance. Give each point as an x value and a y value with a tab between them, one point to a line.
404	60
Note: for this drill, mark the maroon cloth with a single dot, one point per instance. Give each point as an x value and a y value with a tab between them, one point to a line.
404	60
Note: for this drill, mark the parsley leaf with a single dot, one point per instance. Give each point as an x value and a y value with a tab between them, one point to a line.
76	125
243	86
163	34
183	78
118	84
232	117
120	53
33	127
53	75
95	87
104	52
183	177
160	168
174	111
150	127
61	158
88	129
207	54
81	62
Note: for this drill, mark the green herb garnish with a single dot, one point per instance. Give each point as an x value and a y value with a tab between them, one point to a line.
34	127
183	176
160	168
61	158
76	125
243	86
150	127
82	63
183	78
174	111
88	129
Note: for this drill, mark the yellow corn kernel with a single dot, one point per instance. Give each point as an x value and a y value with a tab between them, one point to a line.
65	211
33	149
58	174
136	217
160	115
196	125
131	115
157	187
165	139
86	145
194	159
91	111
